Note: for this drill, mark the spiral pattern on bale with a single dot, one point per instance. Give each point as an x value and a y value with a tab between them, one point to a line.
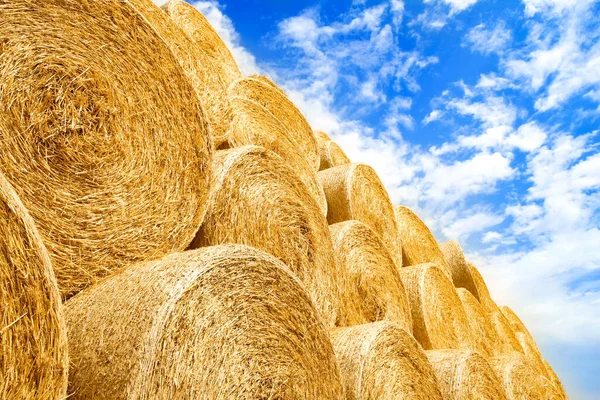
215	323
355	192
465	375
459	269
418	244
265	92
33	334
331	154
103	137
439	320
371	288
485	334
253	124
256	199
381	361
520	380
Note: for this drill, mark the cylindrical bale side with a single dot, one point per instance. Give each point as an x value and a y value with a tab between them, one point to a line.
418	244
266	93
465	375
459	269
508	340
532	352
519	379
381	361
555	380
33	334
256	199
484	332
371	288
355	192
439	320
331	154
253	124
215	323
103	136
485	299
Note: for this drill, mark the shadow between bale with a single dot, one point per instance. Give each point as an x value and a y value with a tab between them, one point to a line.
331	155
459	269
224	322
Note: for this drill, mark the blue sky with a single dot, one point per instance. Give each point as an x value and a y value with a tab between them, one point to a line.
481	115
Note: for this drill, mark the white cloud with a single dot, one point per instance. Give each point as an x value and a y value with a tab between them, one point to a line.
493	111
493	82
528	137
461	227
432	116
488	41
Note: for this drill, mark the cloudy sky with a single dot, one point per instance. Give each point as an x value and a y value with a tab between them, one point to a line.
481	115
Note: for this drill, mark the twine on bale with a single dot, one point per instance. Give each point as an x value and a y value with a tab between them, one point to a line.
203	35
439	320
464	374
197	65
381	361
418	244
256	199
266	93
459	269
485	334
253	124
103	136
371	288
331	155
33	334
355	192
221	322
519	379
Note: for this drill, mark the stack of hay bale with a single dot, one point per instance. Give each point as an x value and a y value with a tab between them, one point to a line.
172	229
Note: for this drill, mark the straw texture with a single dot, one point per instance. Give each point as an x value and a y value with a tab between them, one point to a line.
381	361
532	352
555	380
196	63
256	199
439	320
263	91
484	332
371	288
331	155
33	334
255	125
520	380
354	191
103	136
459	269
224	322
508	340
418	244
485	299
464	374
203	35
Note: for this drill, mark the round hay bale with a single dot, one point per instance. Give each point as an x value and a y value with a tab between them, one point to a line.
519	379
215	323
253	124
203	35
532	352
418	244
256	199
555	379
264	92
439	320
455	260
508	340
354	191
484	332
464	374
103	137
197	65
515	322
331	154
371	288
33	334
485	299
381	361
551	391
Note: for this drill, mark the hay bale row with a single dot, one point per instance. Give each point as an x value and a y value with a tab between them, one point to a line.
464	375
439	320
355	192
459	269
381	361
331	155
103	136
33	334
216	323
371	288
256	199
